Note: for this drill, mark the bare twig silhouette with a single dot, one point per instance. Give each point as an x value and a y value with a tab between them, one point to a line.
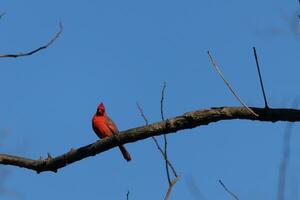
173	182
260	79
165	137
228	191
214	63
193	188
35	50
155	140
284	162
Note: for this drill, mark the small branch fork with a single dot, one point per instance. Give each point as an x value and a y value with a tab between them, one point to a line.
172	182
186	121
155	140
163	152
35	50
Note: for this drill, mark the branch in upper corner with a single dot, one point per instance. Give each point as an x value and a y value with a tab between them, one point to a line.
228	191
186	121
35	50
155	140
260	79
214	63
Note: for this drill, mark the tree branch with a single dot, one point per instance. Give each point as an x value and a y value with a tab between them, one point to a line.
186	121
35	50
260	78
214	64
155	140
228	191
284	162
165	136
172	183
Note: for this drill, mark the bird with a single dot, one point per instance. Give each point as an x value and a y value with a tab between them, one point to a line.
104	127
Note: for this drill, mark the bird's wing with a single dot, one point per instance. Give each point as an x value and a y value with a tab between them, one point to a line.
111	125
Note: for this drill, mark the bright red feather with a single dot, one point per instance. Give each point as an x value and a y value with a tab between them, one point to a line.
104	126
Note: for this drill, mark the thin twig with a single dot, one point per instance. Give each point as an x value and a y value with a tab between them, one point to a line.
162	101
142	113
168	163
127	195
165	136
194	189
228	191
35	50
172	183
284	161
260	79
228	85
285	158
155	140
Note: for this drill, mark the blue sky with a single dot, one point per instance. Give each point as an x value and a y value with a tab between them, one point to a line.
121	52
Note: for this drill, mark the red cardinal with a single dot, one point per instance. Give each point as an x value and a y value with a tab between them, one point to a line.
105	127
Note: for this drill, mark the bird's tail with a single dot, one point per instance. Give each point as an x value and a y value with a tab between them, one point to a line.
125	153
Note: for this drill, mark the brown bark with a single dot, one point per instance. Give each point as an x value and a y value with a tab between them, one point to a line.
172	125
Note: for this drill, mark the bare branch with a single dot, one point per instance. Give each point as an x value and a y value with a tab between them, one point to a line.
260	79
284	161
142	113
186	121
165	136
127	195
172	183
228	191
155	140
228	85
35	50
193	188
285	158
162	101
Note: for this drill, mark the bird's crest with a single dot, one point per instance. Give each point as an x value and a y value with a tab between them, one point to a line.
101	108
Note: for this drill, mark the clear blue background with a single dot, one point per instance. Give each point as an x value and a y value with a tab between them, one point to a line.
121	52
